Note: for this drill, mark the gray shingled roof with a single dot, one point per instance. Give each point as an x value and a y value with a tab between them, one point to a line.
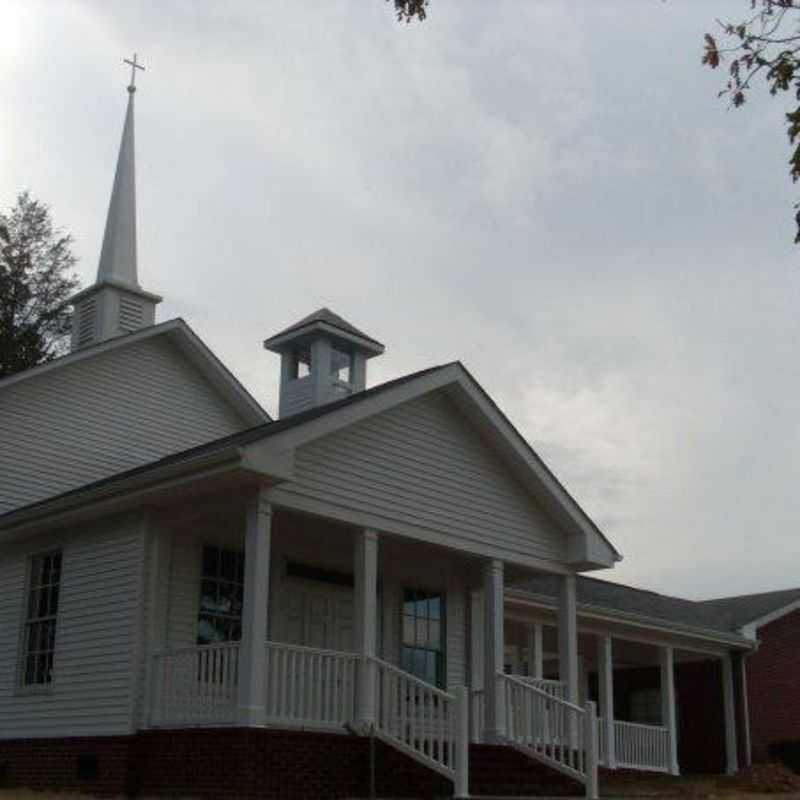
726	614
749	607
329	318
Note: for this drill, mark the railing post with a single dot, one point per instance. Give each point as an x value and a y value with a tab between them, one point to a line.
462	742
590	745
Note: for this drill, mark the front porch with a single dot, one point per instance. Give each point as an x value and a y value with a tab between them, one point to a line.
261	616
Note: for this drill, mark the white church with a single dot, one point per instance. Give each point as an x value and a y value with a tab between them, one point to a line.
381	590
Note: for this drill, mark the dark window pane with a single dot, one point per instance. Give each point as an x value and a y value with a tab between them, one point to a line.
433	635
408	630
228	568
54	599
30	669
421	634
208	595
210	562
434	607
43	605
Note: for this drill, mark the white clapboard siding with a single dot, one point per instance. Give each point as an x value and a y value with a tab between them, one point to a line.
75	424
421	464
97	637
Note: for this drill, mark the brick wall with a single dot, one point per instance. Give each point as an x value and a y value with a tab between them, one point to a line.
773	685
54	763
208	762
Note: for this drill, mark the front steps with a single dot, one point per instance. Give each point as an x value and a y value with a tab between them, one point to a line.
496	771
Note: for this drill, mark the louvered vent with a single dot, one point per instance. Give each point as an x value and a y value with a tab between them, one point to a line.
131	314
86	321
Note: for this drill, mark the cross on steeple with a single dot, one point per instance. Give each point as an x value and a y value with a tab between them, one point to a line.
134	66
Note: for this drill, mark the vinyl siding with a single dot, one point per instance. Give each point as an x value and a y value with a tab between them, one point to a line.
421	464
116	410
97	635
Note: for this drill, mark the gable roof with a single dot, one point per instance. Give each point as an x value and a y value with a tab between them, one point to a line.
190	344
318	421
760	608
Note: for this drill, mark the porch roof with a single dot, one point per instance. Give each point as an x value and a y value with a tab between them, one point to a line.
746	609
617	598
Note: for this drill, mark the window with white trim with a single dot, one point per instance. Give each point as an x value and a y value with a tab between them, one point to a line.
422	636
221	592
39	634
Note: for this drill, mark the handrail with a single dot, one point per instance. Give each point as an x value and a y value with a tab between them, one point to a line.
542	692
425	722
551	729
195	684
435	690
309	686
639	746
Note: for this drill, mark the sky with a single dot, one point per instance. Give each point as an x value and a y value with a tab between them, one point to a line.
550	192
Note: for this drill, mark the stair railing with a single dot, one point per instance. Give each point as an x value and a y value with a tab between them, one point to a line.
551	729
427	723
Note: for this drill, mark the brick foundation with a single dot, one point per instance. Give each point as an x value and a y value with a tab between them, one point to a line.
218	762
259	763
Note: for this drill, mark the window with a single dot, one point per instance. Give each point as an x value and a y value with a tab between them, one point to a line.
40	621
341	365
300	364
221	590
646	706
421	651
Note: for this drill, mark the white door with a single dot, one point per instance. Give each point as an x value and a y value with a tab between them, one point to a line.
314	614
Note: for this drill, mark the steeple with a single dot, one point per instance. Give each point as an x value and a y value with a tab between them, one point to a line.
323	358
115	303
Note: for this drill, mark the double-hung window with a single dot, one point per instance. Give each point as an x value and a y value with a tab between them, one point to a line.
422	650
221	592
39	634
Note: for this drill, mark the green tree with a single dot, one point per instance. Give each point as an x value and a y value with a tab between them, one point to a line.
36	280
410	9
764	45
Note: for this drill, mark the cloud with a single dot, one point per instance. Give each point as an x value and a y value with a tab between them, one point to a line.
549	192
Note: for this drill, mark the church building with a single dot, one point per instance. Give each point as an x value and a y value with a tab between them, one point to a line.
382	588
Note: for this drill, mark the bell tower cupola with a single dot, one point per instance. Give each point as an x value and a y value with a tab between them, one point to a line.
323	359
115	303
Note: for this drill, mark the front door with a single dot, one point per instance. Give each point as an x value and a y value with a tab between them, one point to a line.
314	614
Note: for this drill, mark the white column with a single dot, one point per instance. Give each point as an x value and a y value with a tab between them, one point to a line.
605	681
731	757
366	610
494	639
477	648
252	657
535	650
568	636
746	742
667	669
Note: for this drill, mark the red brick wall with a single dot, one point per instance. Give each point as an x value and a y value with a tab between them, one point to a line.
216	762
53	763
773	685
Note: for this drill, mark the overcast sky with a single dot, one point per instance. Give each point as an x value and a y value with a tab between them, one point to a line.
548	191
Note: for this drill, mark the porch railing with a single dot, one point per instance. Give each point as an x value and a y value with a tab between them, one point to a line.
477	715
309	687
551	729
195	685
427	723
551	687
644	747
